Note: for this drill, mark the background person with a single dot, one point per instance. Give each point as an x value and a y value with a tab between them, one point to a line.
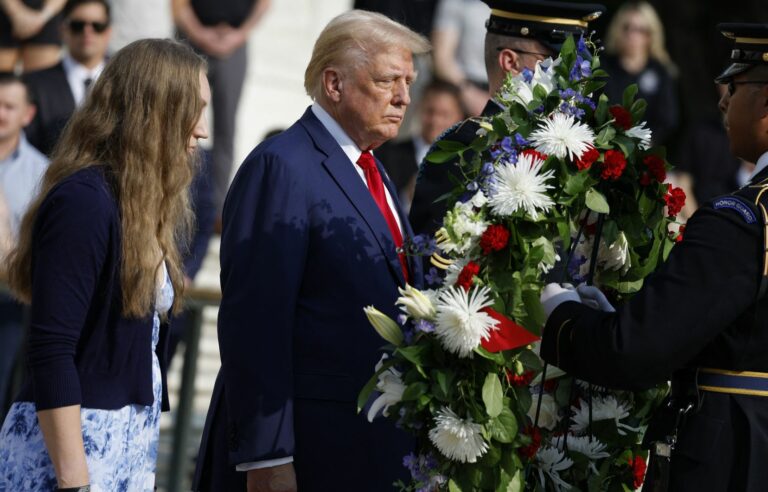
29	34
98	260
58	90
636	54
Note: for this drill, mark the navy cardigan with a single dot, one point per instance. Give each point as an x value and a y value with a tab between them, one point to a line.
82	350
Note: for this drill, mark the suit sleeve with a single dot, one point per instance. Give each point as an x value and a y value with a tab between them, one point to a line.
69	252
263	250
708	281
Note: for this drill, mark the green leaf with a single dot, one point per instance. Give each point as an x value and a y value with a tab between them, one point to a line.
450	145
629	287
638	109
629	95
441	156
575	184
668	245
453	487
539	93
626	144
504	427
492	395
605	136
601	113
517	484
413	391
414	354
596	202
610	232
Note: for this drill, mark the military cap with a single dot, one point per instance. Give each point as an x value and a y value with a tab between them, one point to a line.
548	22
750	48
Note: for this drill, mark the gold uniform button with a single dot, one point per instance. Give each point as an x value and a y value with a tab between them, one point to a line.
524	31
765	57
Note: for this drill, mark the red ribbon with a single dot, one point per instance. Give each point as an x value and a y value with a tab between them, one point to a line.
508	335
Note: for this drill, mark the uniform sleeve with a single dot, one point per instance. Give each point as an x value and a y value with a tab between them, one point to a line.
708	281
70	245
263	248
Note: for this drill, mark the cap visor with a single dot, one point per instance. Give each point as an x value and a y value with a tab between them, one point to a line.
730	72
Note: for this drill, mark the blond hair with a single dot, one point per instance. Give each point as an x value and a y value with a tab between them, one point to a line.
657	50
136	121
353	37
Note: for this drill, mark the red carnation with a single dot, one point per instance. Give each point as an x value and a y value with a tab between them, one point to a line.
638	471
613	165
521	380
535	154
467	274
528	452
645	179
656	167
622	116
680	233
495	238
675	200
587	158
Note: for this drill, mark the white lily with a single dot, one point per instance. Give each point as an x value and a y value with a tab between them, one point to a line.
384	326
391	386
415	303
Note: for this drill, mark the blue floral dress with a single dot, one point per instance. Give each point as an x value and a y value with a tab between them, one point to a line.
120	445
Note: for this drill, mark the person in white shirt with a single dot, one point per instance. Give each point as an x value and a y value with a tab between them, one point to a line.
58	90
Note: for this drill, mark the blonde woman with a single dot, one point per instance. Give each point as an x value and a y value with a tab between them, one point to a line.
98	258
636	55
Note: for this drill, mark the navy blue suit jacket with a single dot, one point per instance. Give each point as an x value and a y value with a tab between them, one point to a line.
304	249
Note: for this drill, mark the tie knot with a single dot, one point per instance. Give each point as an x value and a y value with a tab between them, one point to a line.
366	161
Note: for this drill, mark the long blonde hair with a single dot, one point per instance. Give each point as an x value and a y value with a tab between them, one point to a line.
658	50
137	121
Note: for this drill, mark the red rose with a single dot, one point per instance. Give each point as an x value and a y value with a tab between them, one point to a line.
520	381
656	167
613	165
587	158
535	154
622	116
528	452
495	238
638	471
675	200
467	274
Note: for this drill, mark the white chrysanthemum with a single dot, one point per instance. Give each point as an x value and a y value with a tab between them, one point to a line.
461	324
549	415
563	136
391	387
521	186
591	448
458	439
607	408
551	461
641	133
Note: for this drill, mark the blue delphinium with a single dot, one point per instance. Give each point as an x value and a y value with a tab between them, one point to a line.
582	68
433	277
527	75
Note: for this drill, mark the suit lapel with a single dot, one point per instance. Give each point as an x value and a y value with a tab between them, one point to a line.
343	173
68	99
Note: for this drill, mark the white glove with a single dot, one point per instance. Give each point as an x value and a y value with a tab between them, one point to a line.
554	294
592	296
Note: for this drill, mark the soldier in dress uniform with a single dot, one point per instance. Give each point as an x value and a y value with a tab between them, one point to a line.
520	33
703	314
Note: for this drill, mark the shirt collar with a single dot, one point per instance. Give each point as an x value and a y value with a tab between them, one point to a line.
760	165
17	151
349	147
80	71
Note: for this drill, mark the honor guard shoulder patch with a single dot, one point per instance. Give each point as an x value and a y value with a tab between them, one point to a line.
738	205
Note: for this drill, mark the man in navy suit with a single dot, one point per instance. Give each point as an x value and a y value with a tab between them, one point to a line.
312	231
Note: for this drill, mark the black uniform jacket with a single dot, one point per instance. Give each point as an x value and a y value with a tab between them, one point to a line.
700	310
435	180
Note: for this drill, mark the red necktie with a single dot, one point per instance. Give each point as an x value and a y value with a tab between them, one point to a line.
376	187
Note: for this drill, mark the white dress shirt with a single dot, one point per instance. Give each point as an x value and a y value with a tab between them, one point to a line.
77	75
761	164
353	152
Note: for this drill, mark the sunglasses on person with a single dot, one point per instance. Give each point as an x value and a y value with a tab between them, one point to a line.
732	84
78	26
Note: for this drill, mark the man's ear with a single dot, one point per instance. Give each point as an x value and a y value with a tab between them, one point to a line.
29	114
509	61
333	84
